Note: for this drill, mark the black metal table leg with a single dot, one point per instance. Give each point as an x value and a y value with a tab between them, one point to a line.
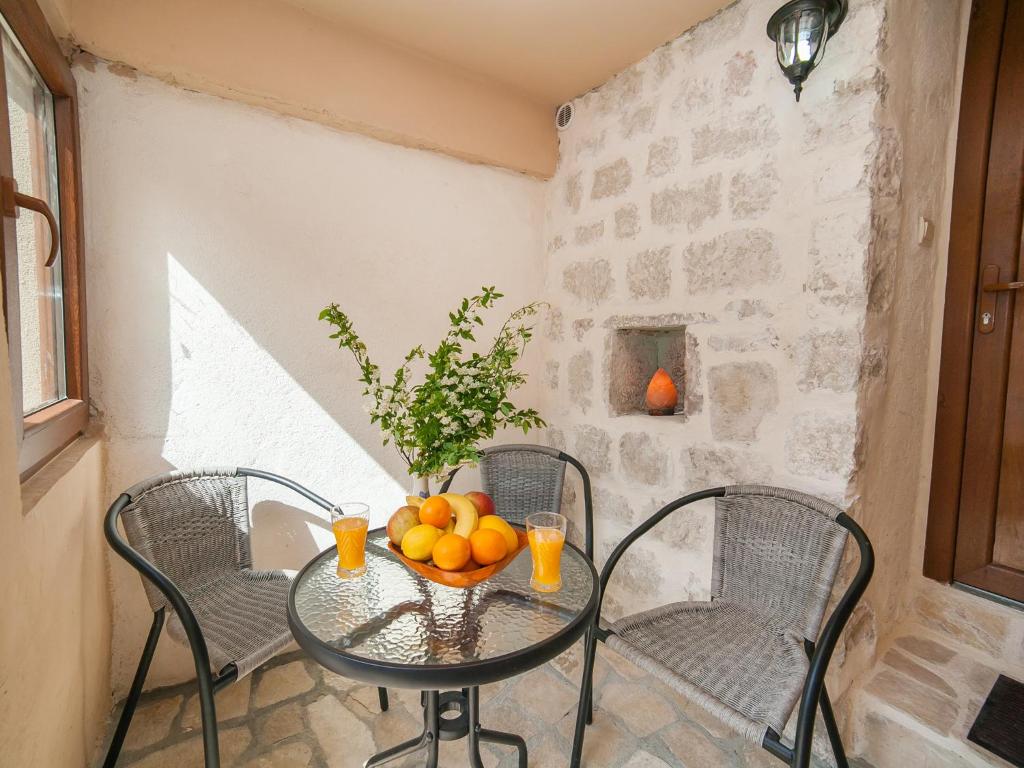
428	739
478	734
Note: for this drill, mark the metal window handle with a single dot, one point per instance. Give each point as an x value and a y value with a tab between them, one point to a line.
11	200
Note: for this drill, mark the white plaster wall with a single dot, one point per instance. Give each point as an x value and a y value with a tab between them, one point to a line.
693	190
216	232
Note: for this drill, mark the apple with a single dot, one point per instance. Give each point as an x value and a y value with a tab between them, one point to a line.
404	520
484	504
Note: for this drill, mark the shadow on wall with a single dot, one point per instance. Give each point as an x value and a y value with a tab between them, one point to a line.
216	233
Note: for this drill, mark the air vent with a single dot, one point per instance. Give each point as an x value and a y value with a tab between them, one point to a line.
564	116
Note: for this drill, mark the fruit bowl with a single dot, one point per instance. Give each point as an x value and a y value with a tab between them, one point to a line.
462	579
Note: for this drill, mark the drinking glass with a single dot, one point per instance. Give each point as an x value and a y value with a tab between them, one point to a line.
350	522
546	533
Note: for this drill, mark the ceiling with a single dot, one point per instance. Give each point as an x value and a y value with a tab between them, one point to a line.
551	50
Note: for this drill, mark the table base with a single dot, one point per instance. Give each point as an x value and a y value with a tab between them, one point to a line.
437	728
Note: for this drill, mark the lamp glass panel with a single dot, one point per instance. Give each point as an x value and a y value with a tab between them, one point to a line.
785	41
810	28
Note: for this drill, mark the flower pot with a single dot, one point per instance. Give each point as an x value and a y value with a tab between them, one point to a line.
662	396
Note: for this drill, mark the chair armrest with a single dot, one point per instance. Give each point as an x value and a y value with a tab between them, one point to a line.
159	579
815	680
320	501
643	528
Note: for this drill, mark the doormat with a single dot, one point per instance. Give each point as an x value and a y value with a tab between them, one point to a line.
999	727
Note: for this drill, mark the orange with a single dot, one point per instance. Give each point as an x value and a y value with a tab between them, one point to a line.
451	552
436	511
488	546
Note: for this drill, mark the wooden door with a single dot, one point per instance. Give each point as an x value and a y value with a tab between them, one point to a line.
976	518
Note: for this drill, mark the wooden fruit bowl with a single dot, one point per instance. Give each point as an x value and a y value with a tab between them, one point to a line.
461	579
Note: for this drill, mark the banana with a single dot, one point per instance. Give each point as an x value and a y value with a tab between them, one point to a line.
414	501
466	517
450	528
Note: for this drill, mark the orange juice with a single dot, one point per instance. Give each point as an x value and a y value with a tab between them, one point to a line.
351	535
546	549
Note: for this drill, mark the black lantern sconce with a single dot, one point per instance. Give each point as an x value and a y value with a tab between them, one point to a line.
800	29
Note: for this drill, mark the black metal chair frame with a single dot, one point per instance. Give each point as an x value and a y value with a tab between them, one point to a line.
814	693
209	684
588	497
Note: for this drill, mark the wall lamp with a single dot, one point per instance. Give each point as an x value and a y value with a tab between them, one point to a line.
800	29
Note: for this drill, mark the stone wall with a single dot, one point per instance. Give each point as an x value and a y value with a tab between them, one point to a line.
694	194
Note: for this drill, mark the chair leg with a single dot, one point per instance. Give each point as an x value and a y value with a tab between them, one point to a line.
132	700
382	697
208	714
586	693
833	730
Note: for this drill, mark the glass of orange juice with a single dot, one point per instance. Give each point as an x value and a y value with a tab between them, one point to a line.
350	522
546	533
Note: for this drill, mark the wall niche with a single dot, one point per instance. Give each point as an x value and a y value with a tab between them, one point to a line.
636	354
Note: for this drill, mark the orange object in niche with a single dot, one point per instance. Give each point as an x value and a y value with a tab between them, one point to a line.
662	395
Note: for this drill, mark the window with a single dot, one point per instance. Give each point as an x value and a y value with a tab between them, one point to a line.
41	245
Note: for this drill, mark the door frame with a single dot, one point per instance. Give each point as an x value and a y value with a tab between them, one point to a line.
977	101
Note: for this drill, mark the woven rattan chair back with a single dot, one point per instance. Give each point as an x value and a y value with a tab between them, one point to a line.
523	479
778	550
193	526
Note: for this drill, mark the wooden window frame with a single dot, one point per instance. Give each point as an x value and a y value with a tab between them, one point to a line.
44	433
974	134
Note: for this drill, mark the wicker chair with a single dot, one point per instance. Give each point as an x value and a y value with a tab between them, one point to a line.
188	536
524	479
754	650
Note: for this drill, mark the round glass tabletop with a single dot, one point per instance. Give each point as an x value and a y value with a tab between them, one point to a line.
392	627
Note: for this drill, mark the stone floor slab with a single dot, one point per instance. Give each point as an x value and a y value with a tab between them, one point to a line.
152	723
230	703
282	682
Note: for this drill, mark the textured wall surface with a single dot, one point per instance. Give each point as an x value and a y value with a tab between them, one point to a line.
216	233
694	193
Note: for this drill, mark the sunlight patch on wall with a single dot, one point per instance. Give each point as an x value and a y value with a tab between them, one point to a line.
233	404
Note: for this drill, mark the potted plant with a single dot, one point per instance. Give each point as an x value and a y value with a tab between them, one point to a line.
463	397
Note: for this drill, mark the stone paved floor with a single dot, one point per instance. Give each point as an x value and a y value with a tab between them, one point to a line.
292	713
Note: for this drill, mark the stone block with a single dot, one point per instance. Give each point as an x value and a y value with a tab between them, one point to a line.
640	708
551	374
638	121
745	308
555	438
691	746
611	180
663	62
926	649
696	96
581	326
965	621
743	258
589	281
739	72
279	724
649	274
627	222
587	234
685	531
820	444
612	506
344	739
749	131
751	193
907	666
643	461
580	379
556	244
574	191
554	324
692	205
828	360
920	702
749	342
709	466
282	682
621	91
838	252
293	755
662	156
848	175
741	395
592	447
152	722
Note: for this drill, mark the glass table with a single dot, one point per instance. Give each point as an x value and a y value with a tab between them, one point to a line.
396	629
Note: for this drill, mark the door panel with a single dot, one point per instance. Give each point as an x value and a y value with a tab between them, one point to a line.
989	540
